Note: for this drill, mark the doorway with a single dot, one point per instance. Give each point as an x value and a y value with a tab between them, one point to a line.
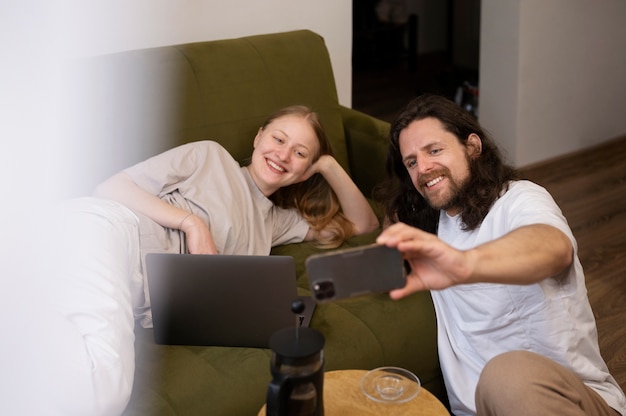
403	48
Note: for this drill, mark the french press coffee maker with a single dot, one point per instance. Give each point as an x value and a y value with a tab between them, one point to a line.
297	367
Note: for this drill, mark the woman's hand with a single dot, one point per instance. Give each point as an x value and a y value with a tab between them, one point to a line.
122	188
197	235
322	164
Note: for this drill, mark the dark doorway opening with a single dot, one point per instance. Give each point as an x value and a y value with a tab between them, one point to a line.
403	48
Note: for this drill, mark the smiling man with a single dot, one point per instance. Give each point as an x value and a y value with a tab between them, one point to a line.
516	334
431	162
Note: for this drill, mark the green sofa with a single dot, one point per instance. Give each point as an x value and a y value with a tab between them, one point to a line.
150	100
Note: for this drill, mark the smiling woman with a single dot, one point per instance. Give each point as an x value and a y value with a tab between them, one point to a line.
194	198
293	165
292	190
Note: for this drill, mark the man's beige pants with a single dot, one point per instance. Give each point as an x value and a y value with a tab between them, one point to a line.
540	386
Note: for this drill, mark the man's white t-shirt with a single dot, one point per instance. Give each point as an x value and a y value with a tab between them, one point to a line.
479	321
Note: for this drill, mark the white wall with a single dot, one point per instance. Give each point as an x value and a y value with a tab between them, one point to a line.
115	25
498	69
552	75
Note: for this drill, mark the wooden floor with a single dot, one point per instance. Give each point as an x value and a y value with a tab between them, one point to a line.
589	186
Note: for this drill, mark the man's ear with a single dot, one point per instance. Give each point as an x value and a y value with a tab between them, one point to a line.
474	145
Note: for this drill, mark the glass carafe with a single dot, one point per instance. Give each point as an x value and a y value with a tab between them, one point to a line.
297	368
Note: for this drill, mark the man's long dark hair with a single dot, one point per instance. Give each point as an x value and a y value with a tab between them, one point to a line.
489	175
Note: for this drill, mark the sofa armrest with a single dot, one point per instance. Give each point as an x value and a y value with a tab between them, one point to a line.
366	140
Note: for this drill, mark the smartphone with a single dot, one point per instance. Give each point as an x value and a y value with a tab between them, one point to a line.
354	272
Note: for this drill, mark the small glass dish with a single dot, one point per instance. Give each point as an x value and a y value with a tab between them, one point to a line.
390	385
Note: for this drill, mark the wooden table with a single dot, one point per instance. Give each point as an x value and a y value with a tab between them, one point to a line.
343	397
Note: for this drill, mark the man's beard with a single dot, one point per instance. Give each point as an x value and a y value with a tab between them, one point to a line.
456	197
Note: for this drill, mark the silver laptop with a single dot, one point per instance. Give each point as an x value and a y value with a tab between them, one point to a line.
222	300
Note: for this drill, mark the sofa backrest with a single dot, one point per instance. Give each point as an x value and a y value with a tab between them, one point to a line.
139	103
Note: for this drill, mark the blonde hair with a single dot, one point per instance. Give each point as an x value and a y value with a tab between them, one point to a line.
314	198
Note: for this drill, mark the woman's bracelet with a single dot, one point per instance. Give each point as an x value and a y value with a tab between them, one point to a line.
180	226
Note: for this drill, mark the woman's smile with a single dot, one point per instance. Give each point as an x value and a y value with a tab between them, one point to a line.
275	166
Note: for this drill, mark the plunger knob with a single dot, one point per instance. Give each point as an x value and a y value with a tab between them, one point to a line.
297	306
